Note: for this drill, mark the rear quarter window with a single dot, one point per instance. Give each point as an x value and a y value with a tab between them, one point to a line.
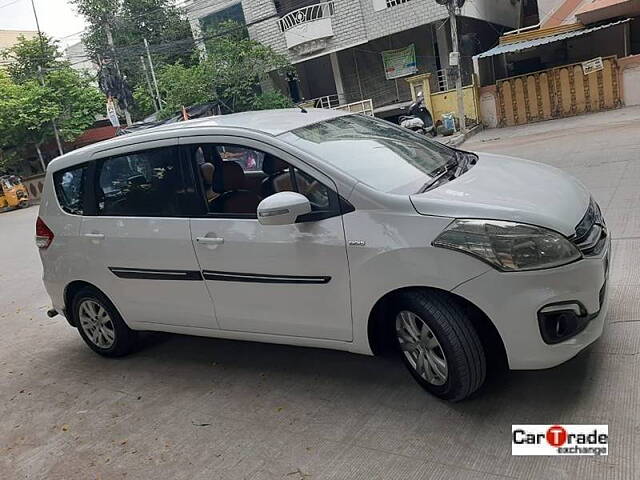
69	187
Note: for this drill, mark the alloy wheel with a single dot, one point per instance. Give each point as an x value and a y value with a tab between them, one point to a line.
96	323
421	348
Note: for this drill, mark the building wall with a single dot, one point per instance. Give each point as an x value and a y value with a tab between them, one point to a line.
488	106
8	38
400	17
630	73
78	57
348	27
357	21
363	71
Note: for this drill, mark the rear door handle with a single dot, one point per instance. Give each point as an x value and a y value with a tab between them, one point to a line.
97	236
210	240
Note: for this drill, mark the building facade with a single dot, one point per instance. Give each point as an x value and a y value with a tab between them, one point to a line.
78	57
337	46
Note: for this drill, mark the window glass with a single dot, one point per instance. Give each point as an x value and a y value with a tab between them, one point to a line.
249	159
69	189
146	183
235	179
376	152
316	192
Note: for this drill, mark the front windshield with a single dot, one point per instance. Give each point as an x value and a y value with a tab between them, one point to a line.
382	155
5	183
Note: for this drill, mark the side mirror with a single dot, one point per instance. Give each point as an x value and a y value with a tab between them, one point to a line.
283	208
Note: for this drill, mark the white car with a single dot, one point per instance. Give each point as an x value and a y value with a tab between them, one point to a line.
325	229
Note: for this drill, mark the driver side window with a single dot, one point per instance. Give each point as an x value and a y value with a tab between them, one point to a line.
235	179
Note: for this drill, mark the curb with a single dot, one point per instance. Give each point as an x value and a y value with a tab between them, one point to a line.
459	139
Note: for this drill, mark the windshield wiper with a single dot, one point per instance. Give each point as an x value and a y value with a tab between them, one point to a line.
439	174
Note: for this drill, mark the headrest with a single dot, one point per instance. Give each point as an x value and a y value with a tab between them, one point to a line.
271	165
233	176
207	170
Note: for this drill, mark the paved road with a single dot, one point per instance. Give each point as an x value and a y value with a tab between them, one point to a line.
193	408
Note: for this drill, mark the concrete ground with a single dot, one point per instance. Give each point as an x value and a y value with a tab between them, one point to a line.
195	408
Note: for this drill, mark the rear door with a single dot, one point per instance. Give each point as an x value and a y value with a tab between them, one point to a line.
288	280
138	240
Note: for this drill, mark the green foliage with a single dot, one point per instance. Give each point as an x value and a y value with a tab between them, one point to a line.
27	108
271	100
233	73
131	21
183	86
79	102
29	54
144	103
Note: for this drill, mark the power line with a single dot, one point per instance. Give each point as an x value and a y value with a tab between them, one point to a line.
10	3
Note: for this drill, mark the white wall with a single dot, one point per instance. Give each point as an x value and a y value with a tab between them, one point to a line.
631	84
546	8
501	12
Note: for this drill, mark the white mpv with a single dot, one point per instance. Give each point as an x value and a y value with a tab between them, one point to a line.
325	229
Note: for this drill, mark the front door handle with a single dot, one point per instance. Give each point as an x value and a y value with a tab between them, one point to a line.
210	240
96	236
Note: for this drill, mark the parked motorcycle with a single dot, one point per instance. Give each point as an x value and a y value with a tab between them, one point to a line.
419	118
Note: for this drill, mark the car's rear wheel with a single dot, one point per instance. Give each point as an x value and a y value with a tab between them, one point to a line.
100	325
439	344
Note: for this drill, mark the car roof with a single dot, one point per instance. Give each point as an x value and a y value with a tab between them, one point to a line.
270	122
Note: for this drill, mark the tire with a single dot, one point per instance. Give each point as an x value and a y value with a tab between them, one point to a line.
112	338
448	359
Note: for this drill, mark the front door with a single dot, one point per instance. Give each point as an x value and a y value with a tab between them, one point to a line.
282	280
138	241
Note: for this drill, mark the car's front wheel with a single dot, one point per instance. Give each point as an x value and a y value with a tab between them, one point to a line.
100	325
439	344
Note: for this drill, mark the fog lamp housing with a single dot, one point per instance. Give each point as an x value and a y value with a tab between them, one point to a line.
559	322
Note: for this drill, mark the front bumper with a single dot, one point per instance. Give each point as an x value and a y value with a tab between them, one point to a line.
512	301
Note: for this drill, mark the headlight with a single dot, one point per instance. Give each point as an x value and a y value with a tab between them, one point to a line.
509	246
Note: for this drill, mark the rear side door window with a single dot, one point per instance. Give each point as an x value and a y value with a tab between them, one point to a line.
149	183
69	187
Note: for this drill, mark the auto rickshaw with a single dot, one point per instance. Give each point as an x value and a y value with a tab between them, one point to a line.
13	194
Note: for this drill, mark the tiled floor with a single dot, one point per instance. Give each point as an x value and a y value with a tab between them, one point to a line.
194	408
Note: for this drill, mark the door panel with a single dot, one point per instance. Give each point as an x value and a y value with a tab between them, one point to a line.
138	239
283	280
149	268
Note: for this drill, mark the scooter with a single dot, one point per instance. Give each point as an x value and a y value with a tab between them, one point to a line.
419	118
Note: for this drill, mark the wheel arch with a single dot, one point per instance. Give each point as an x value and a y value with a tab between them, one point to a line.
70	291
380	329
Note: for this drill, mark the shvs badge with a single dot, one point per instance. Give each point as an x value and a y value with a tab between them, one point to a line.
559	440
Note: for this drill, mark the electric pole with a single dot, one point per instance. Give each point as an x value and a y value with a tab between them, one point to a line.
146	76
455	60
107	28
153	73
42	48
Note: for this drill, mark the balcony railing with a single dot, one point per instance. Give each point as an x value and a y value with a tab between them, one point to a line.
306	15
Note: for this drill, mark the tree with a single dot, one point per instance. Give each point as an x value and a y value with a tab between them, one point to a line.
29	54
130	22
234	74
27	107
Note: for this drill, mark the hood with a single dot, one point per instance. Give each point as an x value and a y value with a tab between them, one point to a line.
505	188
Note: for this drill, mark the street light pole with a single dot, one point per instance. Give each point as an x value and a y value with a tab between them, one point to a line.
451	7
42	48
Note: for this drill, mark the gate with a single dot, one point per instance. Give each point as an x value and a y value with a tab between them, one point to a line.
557	92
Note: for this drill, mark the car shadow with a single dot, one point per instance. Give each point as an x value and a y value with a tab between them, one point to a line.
560	385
